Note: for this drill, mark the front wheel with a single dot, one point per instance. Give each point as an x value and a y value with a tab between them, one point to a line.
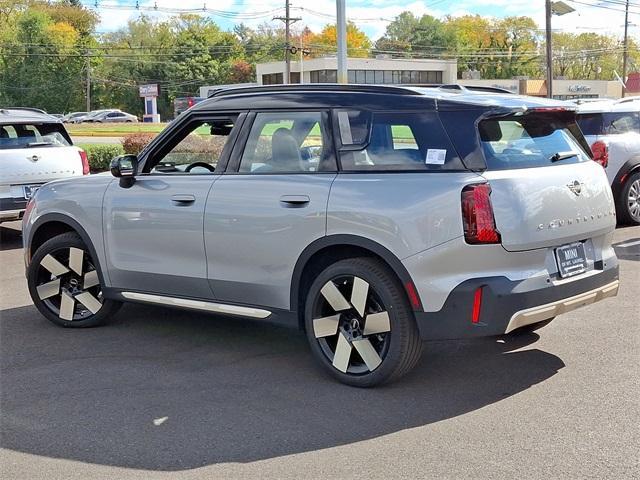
629	202
65	286
359	323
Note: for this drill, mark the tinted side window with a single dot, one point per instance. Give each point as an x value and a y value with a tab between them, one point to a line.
199	151
404	141
609	123
287	142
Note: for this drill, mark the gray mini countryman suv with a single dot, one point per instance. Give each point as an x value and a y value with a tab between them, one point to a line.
374	217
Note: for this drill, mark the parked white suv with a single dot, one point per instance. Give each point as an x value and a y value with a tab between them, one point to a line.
35	148
612	129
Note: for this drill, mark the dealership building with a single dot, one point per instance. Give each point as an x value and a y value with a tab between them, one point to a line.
362	70
562	89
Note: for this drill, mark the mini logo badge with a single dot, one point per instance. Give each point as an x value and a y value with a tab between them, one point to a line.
575	187
34	158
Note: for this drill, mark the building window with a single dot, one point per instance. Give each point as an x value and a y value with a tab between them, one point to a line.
323	76
273	79
295	77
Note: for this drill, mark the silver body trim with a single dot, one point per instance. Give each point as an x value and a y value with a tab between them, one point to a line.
550	310
198	305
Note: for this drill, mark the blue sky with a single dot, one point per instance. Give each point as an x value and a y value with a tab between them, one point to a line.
372	15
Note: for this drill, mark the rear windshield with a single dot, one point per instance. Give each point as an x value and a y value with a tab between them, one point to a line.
534	140
33	135
609	123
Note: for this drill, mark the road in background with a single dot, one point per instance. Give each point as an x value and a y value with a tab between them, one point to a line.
162	393
97	140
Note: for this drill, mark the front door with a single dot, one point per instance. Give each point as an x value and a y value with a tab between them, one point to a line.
154	229
263	213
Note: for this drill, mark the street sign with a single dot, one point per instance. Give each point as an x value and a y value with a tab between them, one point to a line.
150	90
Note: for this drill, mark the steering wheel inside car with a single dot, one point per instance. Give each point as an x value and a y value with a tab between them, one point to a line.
193	165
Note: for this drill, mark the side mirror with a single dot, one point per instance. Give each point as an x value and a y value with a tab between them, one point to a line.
125	167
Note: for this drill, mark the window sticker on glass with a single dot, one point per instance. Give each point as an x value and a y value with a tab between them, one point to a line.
436	156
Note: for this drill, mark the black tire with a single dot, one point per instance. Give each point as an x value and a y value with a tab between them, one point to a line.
532	327
628	206
394	337
66	290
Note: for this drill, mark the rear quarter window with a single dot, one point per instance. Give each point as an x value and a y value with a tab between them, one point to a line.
530	141
394	141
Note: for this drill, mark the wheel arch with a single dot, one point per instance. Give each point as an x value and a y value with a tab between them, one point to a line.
629	167
50	225
326	250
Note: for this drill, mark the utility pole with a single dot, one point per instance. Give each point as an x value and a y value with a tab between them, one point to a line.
287	41
625	53
341	31
549	49
88	93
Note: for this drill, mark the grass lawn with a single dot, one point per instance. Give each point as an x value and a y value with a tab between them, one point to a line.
112	129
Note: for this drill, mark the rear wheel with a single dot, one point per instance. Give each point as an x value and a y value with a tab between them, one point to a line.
359	324
65	286
629	201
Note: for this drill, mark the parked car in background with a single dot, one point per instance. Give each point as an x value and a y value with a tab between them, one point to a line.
612	129
69	117
115	116
34	149
92	114
373	217
181	104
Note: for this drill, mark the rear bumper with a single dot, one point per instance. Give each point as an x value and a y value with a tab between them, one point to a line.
11	208
506	305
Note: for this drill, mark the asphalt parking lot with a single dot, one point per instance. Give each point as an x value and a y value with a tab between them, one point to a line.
167	394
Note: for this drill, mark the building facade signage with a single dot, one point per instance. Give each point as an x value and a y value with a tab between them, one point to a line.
579	88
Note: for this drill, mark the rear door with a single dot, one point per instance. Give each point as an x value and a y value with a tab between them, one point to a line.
269	206
545	189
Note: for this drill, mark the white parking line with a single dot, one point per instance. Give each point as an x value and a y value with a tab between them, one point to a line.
628	244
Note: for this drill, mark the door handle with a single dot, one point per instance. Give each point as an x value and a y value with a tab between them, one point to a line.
294	201
183	199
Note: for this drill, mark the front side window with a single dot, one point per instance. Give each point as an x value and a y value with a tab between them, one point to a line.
199	151
287	142
400	141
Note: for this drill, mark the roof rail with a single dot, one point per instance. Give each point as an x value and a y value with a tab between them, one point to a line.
463	88
314	87
26	109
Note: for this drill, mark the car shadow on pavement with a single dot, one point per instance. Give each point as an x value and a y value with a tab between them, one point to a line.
166	390
10	238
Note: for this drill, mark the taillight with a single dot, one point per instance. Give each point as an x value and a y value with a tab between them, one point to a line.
600	153
477	215
85	162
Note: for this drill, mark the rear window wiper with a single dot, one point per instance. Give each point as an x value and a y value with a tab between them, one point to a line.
38	144
556	157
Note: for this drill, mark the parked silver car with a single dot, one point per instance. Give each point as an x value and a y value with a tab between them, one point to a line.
34	149
114	116
612	128
374	217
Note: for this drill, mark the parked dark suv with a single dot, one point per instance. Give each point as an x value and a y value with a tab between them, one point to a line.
371	216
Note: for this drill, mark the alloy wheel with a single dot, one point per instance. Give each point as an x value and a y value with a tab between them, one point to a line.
633	200
353	334
67	283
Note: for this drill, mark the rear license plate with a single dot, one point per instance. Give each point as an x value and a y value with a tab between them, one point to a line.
30	190
571	259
